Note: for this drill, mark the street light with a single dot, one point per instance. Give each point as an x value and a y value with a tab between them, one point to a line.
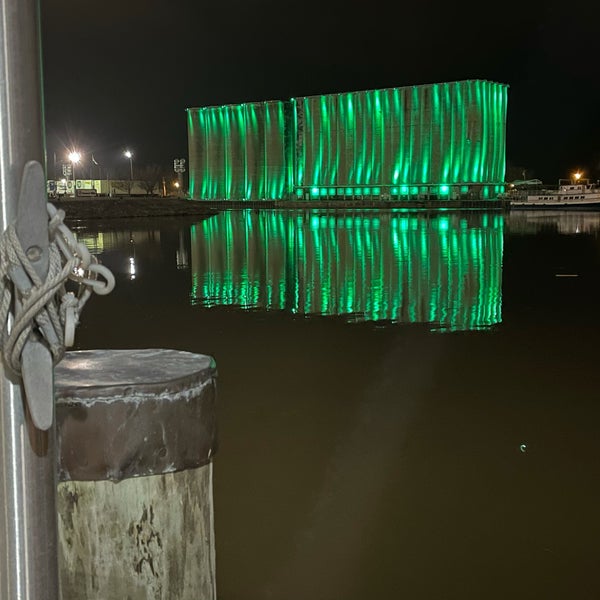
74	157
128	154
179	168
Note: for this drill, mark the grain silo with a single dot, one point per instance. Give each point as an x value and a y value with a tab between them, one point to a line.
240	152
437	141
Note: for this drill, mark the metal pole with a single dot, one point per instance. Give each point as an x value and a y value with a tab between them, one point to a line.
28	538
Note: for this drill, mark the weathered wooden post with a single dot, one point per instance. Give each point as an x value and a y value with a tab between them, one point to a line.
136	433
28	567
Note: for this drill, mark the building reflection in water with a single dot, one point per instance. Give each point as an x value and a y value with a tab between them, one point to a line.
181	256
122	247
444	269
563	222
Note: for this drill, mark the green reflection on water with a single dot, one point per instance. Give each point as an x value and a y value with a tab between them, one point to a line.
393	266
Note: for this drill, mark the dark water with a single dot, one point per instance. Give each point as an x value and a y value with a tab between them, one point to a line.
408	405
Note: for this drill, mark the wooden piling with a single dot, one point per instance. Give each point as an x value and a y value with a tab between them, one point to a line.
136	435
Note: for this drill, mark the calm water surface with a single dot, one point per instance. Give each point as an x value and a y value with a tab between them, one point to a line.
408	405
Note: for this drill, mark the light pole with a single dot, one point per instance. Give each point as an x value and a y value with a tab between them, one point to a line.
179	168
128	154
74	157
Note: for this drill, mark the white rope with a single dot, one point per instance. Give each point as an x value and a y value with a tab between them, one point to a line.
46	307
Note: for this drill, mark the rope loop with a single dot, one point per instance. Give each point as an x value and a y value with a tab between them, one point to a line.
46	308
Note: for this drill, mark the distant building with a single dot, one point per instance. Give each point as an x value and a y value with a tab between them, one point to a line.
441	141
97	187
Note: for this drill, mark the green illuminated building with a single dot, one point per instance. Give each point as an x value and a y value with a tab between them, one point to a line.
442	141
240	152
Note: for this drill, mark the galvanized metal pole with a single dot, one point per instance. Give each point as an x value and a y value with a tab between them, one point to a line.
28	555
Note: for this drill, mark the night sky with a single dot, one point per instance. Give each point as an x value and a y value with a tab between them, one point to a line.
120	74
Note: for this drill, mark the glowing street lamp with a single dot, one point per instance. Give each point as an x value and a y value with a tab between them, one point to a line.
74	157
128	154
577	175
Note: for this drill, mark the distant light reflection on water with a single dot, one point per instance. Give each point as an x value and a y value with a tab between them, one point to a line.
361	454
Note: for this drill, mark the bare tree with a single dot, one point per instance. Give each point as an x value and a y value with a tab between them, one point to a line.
124	185
149	177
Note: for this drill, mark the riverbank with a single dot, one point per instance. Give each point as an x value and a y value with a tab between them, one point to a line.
131	207
153	206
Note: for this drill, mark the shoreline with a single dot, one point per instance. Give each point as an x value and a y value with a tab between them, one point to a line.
128	207
104	207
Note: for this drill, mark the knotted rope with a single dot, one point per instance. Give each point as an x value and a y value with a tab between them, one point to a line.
45	307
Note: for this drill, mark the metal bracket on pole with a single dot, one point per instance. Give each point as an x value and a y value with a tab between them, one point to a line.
32	230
